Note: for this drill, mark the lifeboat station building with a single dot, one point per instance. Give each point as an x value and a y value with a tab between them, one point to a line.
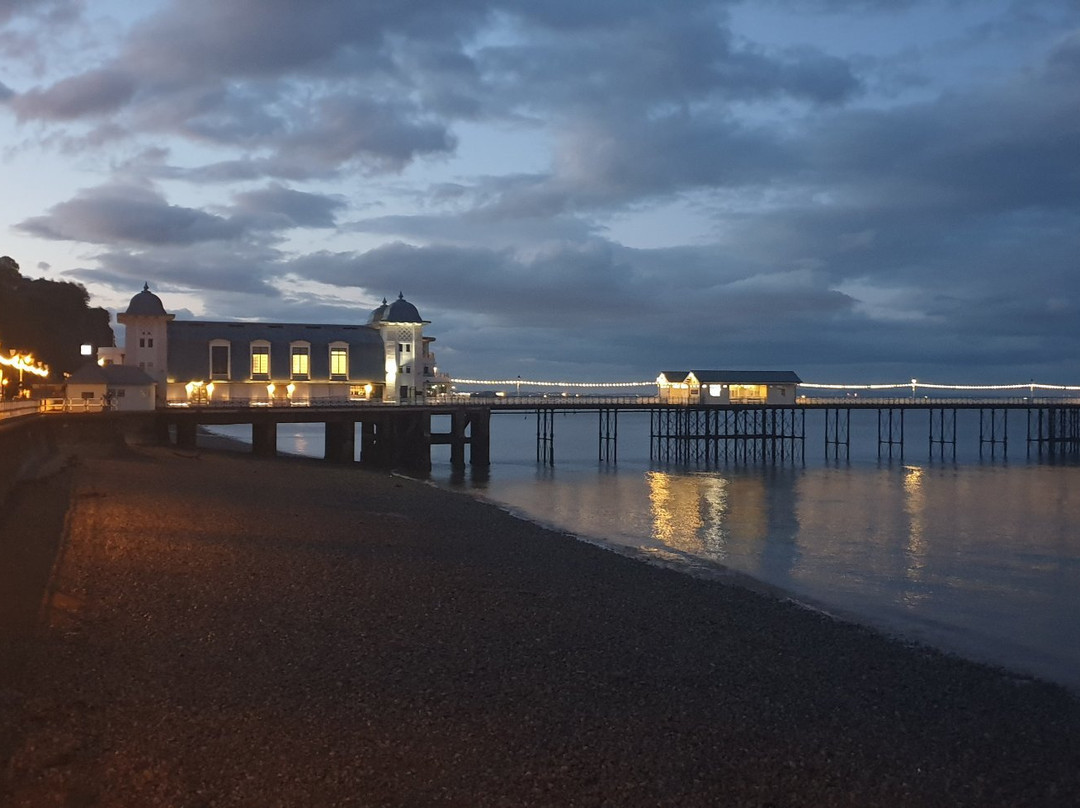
387	359
728	386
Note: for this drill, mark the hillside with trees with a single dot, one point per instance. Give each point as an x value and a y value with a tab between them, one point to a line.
49	319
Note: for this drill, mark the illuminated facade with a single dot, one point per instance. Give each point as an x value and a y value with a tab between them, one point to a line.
728	386
200	361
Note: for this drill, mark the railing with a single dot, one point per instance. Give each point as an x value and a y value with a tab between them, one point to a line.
933	401
235	403
19	408
15	409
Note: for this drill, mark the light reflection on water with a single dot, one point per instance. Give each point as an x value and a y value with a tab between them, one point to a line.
979	558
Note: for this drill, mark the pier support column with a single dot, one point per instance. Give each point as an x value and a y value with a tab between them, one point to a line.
340	442
480	442
264	439
412	440
459	423
185	434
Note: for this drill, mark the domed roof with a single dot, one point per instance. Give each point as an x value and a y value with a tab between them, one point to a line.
379	314
146	304
400	311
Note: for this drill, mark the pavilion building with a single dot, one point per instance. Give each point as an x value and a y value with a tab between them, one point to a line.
388	359
728	386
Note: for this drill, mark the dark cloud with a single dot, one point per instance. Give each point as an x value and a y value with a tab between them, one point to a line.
379	86
132	215
672	60
137	215
293	208
50	10
246	271
90	94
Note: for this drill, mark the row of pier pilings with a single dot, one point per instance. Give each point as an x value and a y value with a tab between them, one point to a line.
753	434
722	434
1050	431
402	437
389	438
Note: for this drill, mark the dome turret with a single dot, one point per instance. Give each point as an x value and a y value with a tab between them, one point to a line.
400	311
146	304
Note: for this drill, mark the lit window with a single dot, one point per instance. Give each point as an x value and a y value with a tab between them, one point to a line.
260	361
339	362
301	361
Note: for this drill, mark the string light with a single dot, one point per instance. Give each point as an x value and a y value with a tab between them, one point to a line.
24	363
498	382
930	386
811	385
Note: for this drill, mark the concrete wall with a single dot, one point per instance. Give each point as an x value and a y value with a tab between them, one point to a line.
27	447
37	445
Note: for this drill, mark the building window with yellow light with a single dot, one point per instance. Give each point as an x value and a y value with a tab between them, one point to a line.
300	362
260	361
339	362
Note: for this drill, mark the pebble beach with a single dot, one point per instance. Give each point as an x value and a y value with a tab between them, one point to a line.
203	628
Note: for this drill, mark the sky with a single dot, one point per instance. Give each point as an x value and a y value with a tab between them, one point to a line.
861	191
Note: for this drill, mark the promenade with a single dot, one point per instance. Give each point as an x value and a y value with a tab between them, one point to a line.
210	629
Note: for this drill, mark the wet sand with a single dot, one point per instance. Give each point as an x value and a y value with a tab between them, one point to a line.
207	629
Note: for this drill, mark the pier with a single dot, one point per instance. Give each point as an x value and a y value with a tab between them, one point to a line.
390	436
401	436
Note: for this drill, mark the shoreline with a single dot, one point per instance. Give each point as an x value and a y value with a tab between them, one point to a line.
227	630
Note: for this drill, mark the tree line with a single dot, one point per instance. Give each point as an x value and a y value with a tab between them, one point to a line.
49	319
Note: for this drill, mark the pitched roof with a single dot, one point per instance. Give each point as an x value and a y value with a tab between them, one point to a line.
115	375
675	376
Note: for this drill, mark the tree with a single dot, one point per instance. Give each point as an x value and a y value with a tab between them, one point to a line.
49	319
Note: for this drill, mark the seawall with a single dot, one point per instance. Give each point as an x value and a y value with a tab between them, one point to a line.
36	446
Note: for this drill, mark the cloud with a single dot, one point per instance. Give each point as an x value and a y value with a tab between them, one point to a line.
291	208
50	10
305	92
132	215
90	94
246	271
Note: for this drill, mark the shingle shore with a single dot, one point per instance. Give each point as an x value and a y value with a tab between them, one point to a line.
224	631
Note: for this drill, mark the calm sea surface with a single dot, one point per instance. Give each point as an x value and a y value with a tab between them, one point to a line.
979	555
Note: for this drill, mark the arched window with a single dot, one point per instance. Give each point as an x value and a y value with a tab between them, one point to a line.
220	360
300	360
260	360
339	361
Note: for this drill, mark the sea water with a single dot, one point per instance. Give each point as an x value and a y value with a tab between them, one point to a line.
977	555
